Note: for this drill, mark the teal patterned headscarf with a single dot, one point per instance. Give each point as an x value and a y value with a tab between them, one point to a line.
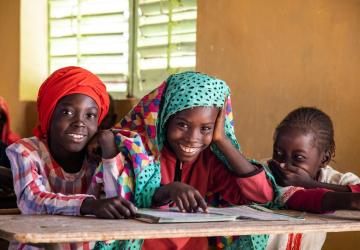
189	90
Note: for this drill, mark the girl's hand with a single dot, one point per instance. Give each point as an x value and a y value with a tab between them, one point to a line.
287	175
106	139
112	208
102	145
219	131
186	197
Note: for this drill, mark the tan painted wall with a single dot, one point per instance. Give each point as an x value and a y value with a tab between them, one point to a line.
10	65
278	55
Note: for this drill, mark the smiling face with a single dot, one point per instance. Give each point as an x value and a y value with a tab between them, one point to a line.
190	131
294	147
73	123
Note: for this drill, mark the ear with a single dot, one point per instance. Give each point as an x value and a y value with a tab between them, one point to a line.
326	159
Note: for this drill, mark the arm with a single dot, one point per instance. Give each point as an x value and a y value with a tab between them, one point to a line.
254	187
309	200
323	200
339	200
103	150
333	187
240	165
32	189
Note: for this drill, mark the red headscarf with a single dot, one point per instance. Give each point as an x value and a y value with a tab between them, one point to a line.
63	82
7	136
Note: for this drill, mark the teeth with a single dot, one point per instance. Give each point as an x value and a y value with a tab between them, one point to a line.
76	136
189	149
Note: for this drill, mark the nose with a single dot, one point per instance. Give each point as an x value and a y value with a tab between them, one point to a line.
78	121
286	161
193	135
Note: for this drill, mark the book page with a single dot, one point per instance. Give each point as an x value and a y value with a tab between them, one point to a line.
247	212
172	215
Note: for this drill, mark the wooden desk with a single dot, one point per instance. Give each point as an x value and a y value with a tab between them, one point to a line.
56	229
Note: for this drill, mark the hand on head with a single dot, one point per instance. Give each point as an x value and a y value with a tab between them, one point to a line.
187	198
102	145
288	175
219	131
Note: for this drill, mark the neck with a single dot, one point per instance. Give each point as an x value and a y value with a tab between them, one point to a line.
70	162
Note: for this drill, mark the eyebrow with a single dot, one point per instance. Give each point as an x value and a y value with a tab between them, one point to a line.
184	119
68	104
281	149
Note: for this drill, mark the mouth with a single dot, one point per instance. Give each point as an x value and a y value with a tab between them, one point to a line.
76	137
189	150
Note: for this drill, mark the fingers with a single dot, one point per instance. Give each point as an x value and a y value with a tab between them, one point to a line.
201	202
225	105
292	168
114	208
179	204
191	201
130	206
275	163
114	212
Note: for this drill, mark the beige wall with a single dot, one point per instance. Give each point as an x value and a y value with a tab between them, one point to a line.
10	65
277	55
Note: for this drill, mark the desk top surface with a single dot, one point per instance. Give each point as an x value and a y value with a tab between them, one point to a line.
56	229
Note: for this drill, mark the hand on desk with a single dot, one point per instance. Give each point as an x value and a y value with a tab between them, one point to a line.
185	196
112	208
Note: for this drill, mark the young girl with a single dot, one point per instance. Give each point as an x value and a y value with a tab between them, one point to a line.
51	171
303	147
186	125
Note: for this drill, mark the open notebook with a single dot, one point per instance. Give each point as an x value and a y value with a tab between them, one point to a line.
173	215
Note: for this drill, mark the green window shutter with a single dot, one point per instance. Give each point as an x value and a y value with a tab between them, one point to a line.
166	40
93	34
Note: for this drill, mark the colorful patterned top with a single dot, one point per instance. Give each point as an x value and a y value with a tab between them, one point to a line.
43	187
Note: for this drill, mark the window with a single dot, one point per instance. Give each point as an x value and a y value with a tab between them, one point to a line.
131	45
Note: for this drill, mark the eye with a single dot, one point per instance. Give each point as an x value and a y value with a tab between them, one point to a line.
278	154
206	129
67	112
92	115
299	158
182	125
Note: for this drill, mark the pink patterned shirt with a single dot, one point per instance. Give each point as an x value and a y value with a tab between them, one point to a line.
43	187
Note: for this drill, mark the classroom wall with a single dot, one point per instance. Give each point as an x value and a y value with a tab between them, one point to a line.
278	55
22	113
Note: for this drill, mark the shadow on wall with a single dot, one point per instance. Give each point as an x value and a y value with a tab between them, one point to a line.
122	107
31	117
